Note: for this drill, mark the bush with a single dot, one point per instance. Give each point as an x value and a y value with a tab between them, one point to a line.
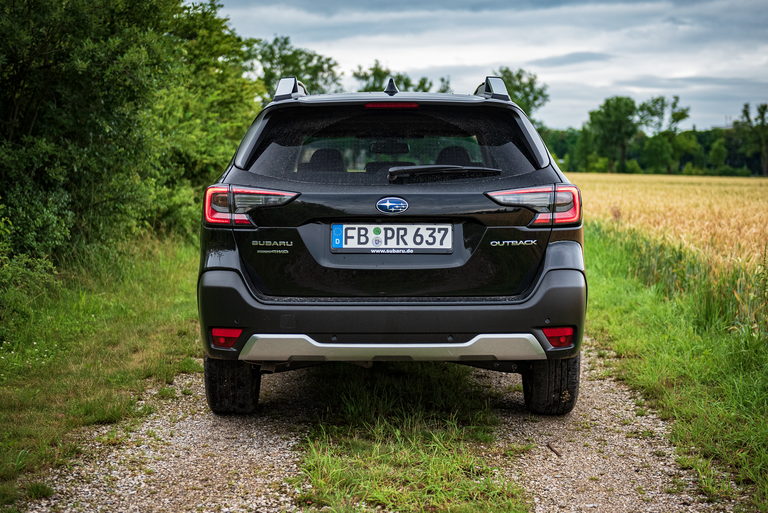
22	278
112	121
633	167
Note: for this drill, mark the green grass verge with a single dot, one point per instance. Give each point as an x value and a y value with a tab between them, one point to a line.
118	323
404	436
692	346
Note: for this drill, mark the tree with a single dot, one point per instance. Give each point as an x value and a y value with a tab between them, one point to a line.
278	58
684	143
204	107
754	134
657	153
201	109
76	79
653	114
376	77
718	153
613	125
584	148
524	89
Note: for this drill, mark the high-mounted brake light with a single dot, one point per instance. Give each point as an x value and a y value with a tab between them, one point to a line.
391	105
559	205
223	206
559	337
225	337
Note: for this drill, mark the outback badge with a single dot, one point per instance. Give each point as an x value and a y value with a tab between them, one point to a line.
392	205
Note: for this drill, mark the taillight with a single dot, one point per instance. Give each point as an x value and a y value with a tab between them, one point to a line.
559	337
558	203
567	205
221	207
538	199
217	205
225	337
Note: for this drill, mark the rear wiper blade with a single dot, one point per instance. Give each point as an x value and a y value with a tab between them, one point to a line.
395	172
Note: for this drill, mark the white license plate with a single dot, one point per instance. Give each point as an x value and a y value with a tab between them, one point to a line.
392	238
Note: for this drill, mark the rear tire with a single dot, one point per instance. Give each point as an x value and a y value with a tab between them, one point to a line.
551	387
231	386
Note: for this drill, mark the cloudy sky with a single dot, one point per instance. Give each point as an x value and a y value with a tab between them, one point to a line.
713	54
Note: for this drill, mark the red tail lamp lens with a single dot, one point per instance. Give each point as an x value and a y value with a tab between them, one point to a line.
560	205
217	205
221	207
567	205
391	105
559	337
225	337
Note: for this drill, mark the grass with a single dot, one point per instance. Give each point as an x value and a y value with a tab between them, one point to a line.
404	436
38	491
127	322
696	351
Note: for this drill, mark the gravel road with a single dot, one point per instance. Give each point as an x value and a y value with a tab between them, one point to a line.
600	457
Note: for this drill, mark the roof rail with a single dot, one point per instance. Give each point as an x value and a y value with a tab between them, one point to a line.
289	87
494	87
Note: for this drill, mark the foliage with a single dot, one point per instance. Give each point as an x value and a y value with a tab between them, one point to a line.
653	112
200	112
76	79
524	88
22	279
657	153
755	133
375	79
279	58
667	149
718	153
613	125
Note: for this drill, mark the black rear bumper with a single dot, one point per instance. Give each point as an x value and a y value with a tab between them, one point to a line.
559	299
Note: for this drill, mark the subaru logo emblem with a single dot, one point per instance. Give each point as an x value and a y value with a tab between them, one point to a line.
392	205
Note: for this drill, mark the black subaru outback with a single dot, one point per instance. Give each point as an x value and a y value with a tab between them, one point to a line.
392	226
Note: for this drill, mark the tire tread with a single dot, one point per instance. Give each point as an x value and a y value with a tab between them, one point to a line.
231	386
551	387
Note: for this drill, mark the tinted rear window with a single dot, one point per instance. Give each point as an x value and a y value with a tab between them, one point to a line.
358	145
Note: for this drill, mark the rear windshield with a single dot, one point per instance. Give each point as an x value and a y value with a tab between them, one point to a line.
357	145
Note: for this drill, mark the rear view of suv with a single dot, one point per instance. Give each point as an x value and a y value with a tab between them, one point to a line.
392	226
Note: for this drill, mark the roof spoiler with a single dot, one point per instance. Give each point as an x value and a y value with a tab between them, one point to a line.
494	88
289	87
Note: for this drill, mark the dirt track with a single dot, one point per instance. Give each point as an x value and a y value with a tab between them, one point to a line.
600	457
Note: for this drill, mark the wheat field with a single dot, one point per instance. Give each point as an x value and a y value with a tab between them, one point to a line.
726	218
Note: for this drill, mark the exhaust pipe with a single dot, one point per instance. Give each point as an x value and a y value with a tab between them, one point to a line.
268	367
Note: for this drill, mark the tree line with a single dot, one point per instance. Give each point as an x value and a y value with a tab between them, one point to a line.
622	136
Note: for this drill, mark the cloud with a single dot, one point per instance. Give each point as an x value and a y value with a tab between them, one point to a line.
570	58
584	51
337	6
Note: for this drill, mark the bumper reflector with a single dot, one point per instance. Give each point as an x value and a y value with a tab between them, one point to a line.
559	337
225	337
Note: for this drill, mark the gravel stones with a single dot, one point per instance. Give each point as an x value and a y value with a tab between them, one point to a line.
184	458
610	454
